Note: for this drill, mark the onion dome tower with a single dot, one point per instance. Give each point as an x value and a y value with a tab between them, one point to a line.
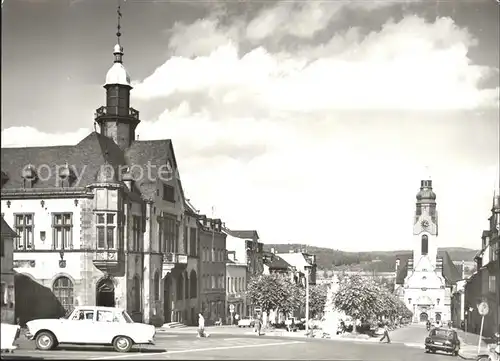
117	120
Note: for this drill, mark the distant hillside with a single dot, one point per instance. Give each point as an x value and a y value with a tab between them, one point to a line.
378	261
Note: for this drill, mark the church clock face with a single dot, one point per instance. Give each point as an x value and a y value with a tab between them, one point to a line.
424	223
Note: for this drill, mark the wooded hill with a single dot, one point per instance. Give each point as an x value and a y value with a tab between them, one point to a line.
378	261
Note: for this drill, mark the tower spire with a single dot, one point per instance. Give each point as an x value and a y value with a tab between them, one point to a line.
118	24
117	119
118	51
427	173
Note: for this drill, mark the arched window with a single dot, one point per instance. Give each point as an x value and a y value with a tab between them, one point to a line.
137	294
186	286
425	244
193	284
63	290
179	283
157	286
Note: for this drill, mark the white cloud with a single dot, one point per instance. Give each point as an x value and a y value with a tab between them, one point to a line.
325	143
391	69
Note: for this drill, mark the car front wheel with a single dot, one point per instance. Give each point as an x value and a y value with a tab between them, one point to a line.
122	344
45	341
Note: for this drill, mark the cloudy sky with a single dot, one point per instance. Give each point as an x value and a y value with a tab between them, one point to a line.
309	121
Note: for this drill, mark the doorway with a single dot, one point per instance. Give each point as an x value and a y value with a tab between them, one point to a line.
105	293
438	316
424	317
167	307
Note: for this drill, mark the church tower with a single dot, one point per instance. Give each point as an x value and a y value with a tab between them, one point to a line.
117	119
425	227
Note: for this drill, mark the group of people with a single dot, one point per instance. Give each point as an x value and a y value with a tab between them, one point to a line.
438	324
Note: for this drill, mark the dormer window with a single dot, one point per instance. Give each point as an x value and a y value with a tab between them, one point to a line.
168	193
66	176
29	175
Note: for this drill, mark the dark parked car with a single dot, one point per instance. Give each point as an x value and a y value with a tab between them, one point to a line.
442	339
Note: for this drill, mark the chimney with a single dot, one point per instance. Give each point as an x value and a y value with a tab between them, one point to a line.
397	264
272	250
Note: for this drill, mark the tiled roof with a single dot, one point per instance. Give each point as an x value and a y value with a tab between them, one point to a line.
273	261
86	159
451	273
156	152
6	231
296	259
246	234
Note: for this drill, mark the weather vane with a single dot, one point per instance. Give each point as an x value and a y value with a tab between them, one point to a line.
118	27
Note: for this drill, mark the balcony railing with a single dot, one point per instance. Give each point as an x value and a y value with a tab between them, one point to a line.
171	257
103	111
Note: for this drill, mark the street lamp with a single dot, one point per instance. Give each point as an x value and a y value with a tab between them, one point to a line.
308	271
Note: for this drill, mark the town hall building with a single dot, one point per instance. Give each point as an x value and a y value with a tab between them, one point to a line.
424	281
103	222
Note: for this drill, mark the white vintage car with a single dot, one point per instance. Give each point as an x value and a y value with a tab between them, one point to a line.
91	325
9	334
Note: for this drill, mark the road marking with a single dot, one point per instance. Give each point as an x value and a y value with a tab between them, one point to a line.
415	345
196	350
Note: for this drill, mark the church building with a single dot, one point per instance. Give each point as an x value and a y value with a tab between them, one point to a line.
425	280
102	222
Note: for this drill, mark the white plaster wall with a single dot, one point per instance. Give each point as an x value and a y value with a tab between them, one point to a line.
238	246
432	248
47	265
429	280
43	217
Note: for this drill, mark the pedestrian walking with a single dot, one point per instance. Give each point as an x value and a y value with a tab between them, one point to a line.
258	325
201	326
386	334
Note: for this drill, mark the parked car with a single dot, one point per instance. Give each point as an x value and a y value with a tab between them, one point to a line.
442	339
10	333
90	325
246	322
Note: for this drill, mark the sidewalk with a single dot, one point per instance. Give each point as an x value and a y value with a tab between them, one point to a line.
226	329
468	345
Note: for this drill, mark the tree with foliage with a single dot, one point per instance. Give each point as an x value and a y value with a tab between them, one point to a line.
317	300
358	298
365	299
275	292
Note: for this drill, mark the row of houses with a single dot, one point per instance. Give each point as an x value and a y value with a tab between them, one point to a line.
226	261
106	222
483	286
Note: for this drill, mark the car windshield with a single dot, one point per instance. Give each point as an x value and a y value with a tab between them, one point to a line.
442	333
68	313
127	318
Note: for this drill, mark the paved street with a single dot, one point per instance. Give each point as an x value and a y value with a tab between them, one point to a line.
184	345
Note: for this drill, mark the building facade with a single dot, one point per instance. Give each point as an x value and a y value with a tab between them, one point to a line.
102	222
212	269
303	266
7	292
425	282
248	250
484	284
236	287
